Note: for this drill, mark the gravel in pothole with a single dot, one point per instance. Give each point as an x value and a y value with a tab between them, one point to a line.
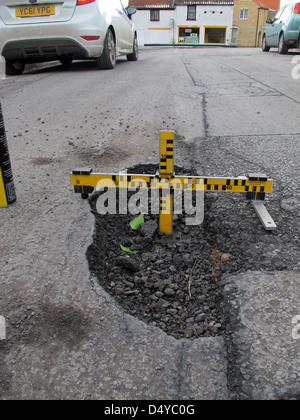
173	282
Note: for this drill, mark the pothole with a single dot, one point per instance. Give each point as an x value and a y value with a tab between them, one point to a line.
173	282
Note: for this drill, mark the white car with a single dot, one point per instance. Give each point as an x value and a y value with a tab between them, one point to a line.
33	31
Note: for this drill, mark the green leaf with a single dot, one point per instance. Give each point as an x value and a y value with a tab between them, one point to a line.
124	248
135	224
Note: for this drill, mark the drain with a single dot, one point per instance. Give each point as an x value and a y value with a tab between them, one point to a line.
173	282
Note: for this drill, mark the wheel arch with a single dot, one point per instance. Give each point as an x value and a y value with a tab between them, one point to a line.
281	33
113	31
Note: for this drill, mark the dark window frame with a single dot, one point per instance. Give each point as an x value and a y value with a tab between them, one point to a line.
154	15
244	14
191	12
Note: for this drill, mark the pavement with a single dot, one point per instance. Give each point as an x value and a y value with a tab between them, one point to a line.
66	338
260	309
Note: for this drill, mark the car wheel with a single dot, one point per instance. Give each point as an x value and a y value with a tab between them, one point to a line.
108	59
135	51
282	47
14	67
265	48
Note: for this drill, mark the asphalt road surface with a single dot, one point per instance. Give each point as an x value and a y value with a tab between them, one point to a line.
233	111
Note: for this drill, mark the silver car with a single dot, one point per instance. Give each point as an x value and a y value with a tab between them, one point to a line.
33	31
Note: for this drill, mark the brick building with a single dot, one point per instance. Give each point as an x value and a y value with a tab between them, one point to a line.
250	17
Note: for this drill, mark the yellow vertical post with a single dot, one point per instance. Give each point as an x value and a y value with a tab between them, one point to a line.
166	212
166	171
7	187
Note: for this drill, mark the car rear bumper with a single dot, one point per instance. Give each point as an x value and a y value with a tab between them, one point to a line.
50	41
43	49
291	37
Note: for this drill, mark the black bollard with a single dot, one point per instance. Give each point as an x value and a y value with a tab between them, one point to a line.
7	187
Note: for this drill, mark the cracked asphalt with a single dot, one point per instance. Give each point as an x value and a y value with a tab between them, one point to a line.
234	111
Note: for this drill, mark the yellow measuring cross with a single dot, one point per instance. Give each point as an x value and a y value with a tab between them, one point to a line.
255	185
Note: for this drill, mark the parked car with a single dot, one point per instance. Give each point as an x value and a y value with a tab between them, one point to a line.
45	30
284	30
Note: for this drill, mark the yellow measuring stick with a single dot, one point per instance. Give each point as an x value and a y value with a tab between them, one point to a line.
255	185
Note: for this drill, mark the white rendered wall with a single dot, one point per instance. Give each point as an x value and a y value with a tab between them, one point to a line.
166	31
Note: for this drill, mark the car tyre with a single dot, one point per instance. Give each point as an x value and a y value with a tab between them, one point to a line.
108	59
14	67
265	48
282	47
135	51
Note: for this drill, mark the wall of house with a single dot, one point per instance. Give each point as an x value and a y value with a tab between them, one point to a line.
211	20
157	33
212	26
251	30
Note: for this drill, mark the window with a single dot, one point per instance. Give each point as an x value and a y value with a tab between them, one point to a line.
244	14
277	17
286	14
191	12
215	35
154	15
189	35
